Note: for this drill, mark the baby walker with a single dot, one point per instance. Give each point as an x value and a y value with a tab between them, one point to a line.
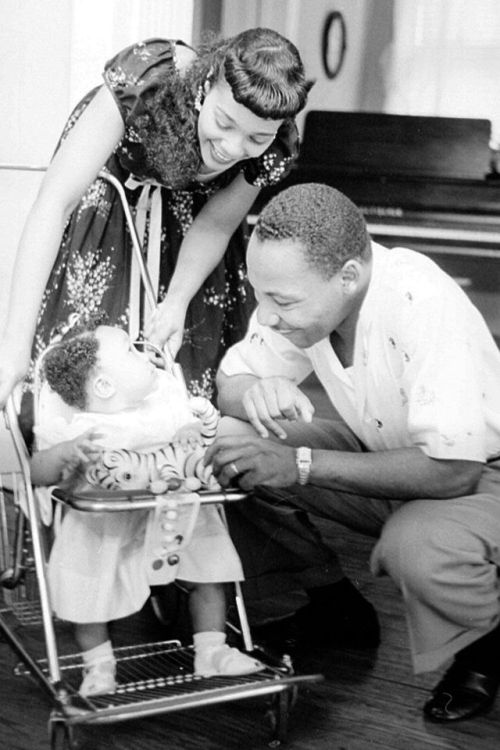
153	678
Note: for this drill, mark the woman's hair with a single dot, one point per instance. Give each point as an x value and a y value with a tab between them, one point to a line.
265	73
263	69
68	365
328	226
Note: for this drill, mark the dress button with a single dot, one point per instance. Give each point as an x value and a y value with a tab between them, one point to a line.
173	559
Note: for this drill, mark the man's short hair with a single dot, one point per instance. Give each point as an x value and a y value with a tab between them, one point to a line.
329	227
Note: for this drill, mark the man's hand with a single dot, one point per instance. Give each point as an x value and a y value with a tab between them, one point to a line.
275	398
252	460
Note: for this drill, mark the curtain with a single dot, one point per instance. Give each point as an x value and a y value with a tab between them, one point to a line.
445	60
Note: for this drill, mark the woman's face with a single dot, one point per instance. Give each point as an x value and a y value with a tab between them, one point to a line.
229	132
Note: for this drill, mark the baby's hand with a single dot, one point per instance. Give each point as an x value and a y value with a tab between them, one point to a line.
189	435
80	450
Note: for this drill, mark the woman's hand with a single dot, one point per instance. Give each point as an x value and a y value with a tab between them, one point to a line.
166	326
271	399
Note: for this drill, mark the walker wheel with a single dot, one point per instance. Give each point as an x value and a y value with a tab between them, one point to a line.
61	735
278	714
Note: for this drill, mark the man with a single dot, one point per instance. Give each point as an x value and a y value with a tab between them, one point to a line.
414	373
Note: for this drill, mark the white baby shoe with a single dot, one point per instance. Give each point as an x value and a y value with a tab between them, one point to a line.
226	661
99	678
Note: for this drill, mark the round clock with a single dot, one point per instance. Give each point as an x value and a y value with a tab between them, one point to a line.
334	43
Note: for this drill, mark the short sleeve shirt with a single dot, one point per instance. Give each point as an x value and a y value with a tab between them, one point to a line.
426	370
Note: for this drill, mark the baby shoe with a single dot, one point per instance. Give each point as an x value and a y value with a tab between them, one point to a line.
99	678
225	660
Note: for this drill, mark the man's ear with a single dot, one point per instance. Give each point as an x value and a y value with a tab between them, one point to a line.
350	275
103	387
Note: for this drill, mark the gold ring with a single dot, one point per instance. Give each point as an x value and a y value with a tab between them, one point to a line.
234	468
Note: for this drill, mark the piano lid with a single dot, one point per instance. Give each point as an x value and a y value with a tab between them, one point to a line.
375	144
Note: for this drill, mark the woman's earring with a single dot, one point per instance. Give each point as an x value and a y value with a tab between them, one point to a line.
202	92
198	98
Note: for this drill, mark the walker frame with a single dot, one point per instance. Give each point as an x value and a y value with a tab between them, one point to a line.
153	678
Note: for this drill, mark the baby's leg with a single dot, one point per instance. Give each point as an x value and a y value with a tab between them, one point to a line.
99	666
207	605
91	634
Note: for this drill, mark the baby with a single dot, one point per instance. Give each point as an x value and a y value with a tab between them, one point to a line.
100	565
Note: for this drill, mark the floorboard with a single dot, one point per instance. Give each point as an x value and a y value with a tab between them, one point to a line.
368	700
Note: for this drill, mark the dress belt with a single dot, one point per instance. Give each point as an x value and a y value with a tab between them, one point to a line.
150	201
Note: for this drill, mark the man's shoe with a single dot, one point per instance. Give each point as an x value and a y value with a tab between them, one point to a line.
461	694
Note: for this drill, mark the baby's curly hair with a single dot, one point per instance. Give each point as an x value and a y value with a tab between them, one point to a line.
68	365
328	225
265	73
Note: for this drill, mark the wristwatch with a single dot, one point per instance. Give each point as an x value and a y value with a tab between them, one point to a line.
303	459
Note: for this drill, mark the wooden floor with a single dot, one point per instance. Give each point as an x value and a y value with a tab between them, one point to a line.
367	701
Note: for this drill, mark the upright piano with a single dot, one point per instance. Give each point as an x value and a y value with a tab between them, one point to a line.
428	183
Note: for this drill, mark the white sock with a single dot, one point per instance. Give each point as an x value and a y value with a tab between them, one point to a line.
208	639
100	653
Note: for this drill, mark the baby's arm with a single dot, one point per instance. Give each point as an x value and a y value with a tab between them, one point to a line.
61	461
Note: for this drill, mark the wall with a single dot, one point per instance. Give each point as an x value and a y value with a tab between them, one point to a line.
52	53
359	85
34	86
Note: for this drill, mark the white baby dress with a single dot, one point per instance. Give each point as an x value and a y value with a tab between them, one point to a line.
99	567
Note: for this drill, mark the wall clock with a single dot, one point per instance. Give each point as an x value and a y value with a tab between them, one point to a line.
334	43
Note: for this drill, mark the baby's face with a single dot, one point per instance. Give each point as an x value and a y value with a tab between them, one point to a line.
132	373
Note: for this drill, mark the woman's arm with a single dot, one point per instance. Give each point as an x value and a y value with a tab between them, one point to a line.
74	167
202	249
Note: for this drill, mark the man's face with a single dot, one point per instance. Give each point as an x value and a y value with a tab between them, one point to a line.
131	372
293	298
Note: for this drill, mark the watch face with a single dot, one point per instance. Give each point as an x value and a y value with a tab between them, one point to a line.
334	43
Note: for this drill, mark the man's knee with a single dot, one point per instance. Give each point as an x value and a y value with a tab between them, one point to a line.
419	547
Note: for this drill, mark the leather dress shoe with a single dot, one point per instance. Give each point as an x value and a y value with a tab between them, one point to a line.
461	694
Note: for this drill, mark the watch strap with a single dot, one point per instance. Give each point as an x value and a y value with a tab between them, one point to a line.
303	459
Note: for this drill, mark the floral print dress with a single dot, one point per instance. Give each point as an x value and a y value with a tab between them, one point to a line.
92	272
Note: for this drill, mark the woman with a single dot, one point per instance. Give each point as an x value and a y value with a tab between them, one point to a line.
203	132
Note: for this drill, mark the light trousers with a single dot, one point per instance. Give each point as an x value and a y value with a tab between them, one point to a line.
444	555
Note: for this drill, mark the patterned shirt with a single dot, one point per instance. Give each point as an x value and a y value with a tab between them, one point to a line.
426	370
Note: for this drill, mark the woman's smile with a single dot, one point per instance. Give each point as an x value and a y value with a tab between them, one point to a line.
219	156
